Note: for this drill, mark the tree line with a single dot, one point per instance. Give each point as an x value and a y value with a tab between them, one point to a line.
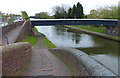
106	12
44	15
65	11
77	12
24	15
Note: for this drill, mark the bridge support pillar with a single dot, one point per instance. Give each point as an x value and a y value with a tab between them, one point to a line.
111	30
117	29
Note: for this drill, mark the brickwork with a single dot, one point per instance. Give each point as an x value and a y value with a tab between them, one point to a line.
14	57
7	28
26	31
15	32
44	63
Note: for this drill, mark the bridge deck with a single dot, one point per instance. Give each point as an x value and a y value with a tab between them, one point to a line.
104	22
75	19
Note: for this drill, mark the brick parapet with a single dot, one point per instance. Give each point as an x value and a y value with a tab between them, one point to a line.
9	27
14	57
26	31
82	64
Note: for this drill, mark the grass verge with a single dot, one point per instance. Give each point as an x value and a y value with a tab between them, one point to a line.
36	30
100	29
31	39
46	42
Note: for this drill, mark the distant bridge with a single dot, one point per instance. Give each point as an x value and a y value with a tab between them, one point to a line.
47	22
34	17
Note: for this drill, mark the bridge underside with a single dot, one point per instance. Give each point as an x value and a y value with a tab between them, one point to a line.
99	22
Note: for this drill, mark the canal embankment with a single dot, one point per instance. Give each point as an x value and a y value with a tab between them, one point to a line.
46	41
33	40
115	38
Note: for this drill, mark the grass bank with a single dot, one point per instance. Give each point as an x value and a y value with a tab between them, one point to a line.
31	39
36	30
100	29
46	42
95	31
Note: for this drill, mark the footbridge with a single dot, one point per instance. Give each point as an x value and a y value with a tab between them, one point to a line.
99	22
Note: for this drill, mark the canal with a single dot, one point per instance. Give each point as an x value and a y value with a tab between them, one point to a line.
103	50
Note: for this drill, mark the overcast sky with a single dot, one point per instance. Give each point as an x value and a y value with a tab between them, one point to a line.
36	6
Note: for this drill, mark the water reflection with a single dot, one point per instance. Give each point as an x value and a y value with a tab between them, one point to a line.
61	38
76	38
103	50
59	30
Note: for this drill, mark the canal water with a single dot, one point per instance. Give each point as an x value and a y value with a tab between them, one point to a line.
103	50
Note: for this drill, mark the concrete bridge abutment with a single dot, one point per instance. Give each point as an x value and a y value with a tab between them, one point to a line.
117	29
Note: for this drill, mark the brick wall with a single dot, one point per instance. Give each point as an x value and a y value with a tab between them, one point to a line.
14	57
7	28
26	31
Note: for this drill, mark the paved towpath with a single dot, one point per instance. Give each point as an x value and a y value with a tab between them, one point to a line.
45	63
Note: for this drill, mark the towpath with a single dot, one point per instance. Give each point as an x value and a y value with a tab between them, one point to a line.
44	63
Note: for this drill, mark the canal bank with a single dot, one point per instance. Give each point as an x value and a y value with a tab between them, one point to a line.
95	33
47	42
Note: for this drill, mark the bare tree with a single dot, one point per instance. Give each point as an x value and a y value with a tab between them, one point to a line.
60	11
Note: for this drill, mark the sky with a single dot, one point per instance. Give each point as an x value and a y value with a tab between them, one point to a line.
37	6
